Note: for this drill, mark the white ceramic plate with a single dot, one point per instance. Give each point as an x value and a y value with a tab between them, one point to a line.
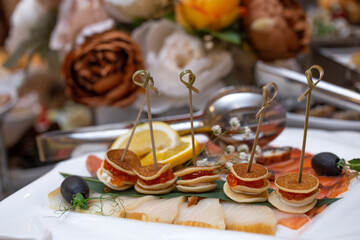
25	215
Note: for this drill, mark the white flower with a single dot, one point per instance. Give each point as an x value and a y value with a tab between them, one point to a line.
169	50
243	148
229	149
243	156
129	10
228	165
94	28
73	17
247	132
216	130
26	14
234	123
201	163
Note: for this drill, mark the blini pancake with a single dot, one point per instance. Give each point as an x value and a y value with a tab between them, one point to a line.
289	183
149	172
200	179
244	198
242	182
250	190
190	170
130	162
154	192
203	179
294	197
297	203
257	172
276	202
203	187
159	186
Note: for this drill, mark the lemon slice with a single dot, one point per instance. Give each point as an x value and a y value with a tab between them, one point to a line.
175	156
164	137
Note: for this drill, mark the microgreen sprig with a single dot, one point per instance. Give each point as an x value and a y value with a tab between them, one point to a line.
83	203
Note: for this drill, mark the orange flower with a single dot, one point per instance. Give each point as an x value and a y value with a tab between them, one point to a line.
207	14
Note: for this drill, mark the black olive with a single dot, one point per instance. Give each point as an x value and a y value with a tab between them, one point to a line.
73	185
325	164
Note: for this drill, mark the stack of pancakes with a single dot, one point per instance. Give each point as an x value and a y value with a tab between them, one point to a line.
196	179
155	181
117	174
243	191
294	197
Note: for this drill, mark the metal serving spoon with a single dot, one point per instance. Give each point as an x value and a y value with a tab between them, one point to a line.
240	102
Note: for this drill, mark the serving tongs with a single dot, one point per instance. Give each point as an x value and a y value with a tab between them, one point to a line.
325	91
240	102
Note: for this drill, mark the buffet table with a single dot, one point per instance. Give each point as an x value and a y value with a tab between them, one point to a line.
25	215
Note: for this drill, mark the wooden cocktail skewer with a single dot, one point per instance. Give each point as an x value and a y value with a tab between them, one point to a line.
150	124
307	93
189	85
266	103
133	130
145	79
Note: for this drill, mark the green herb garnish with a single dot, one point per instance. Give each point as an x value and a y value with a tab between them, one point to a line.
80	201
353	164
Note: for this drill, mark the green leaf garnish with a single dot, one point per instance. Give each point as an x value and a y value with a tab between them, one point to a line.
354	164
326	201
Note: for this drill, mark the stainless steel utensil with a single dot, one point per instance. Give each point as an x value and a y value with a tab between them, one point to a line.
240	102
324	91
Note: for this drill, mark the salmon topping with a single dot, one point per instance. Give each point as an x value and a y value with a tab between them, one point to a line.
296	196
233	181
197	174
163	178
118	176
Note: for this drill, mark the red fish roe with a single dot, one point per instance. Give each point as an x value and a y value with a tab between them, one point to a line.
296	196
118	176
233	181
164	177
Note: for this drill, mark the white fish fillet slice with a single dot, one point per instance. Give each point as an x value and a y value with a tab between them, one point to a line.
249	218
157	210
207	213
113	208
56	200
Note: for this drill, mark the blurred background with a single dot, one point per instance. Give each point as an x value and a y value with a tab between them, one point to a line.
67	64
